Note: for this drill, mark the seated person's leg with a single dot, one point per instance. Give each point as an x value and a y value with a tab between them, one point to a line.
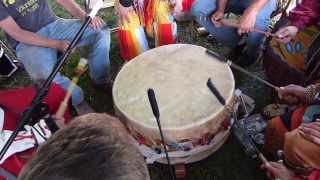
93	146
301	152
274	135
278	126
97	40
39	63
202	10
99	63
262	23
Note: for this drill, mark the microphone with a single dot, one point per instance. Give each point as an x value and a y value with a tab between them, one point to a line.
156	113
95	9
238	129
153	103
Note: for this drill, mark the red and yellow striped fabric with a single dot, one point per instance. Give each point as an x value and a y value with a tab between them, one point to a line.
159	22
132	38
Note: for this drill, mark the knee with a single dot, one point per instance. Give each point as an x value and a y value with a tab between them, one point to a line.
37	73
38	62
77	96
263	17
195	11
203	8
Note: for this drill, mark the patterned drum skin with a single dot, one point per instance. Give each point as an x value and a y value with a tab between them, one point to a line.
190	115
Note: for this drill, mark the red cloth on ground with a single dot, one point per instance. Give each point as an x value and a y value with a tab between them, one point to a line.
314	175
16	101
305	14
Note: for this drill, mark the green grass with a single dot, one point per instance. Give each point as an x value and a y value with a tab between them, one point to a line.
229	163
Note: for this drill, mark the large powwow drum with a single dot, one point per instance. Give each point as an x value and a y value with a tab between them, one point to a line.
194	123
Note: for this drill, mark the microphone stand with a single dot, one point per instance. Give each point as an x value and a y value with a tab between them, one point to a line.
233	114
42	93
156	113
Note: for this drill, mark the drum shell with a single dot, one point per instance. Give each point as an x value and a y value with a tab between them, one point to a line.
216	130
210	126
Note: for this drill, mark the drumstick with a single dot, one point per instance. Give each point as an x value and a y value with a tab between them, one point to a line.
80	69
228	23
235	66
221	99
215	91
156	113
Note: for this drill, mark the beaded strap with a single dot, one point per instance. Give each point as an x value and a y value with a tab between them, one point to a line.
312	92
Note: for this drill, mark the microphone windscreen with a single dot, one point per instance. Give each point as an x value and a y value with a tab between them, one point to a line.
153	103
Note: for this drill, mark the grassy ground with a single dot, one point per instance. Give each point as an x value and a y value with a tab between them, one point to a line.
229	163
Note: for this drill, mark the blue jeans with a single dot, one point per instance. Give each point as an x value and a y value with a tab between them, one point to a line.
39	61
203	9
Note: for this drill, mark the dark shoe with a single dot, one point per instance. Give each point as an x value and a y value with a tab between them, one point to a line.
105	87
83	108
211	39
244	60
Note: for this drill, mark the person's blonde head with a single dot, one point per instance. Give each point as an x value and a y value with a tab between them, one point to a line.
92	147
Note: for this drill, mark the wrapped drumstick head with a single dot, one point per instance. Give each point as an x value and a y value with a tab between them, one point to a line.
82	67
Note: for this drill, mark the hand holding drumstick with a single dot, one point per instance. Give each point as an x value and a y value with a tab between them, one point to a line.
228	23
80	69
284	34
292	93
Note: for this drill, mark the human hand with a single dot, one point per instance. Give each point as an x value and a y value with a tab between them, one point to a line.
123	13
97	23
172	3
311	131
61	45
278	171
286	34
247	21
292	90
216	17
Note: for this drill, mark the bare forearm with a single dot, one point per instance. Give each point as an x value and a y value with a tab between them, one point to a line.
73	8
26	37
31	38
222	5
